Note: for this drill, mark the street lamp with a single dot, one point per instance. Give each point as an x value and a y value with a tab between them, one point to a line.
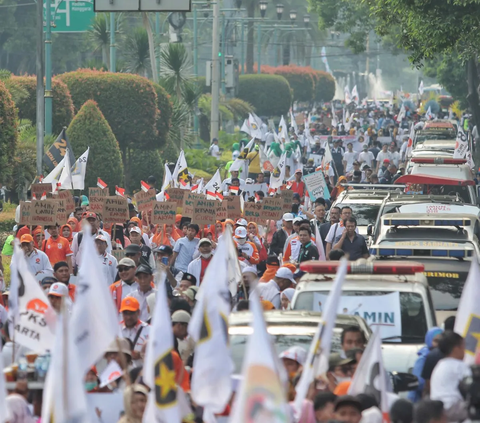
279	11
306	20
263	8
293	16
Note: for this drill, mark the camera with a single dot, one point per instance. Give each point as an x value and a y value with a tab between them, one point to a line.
470	389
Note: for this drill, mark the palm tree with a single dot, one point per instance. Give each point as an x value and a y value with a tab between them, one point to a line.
136	51
151	45
176	69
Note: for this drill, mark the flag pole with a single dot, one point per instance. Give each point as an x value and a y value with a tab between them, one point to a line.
65	356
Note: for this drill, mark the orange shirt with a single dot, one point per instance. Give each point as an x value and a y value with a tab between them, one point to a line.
57	250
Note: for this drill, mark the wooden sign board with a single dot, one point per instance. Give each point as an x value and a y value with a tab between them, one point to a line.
62	214
204	212
287	196
272	209
164	212
39	189
222	212
252	212
177	195
69	201
115	210
25	213
118	254
188	203
44	212
234	210
96	197
145	200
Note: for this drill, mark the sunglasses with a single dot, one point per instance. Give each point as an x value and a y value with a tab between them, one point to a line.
124	269
130	254
128	312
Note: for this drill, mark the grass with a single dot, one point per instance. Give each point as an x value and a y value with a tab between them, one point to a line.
8	212
6	273
200	173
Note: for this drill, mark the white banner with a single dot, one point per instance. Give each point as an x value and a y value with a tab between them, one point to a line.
250	189
316	185
432	208
105	407
377	310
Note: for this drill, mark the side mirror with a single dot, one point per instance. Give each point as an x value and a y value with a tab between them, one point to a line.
370	230
403	382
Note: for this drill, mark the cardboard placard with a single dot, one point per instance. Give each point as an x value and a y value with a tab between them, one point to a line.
316	185
222	211
69	201
287	196
234	210
177	195
164	212
204	212
39	189
188	203
272	208
25	213
145	200
118	254
44	213
252	212
115	210
62	214
96	197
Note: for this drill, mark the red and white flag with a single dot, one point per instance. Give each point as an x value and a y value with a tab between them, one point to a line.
119	191
101	184
234	190
34	197
145	186
194	188
44	196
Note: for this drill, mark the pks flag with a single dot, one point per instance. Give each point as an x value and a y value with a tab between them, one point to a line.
57	151
261	396
278	174
54	175
4	411
283	130
246	128
101	184
370	377
65	180
158	370
119	191
348	96
241	161
411	136
233	265
255	131
317	359
180	173
420	88
212	188
401	114
467	322
145	187
461	145
211	380
78	171
355	96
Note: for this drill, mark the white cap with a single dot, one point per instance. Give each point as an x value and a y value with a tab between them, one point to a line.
285	273
241	232
58	289
249	269
298	219
136	229
288	217
297	354
241	222
235	154
101	238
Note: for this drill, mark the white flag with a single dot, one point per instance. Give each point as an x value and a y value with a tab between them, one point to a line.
370	377
54	175
317	359
261	396
255	131
293	123
467	322
334	117
241	161
411	136
78	171
213	187
66	175
420	88
233	265
461	145
211	380
348	96
327	158
347	120
355	96
429	115
319	243
401	114
246	128
283	131
180	173
278	174
167	179
94	318
158	370
111	373
4	411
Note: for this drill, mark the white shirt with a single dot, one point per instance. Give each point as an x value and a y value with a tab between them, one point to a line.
338	231
3	316
109	267
382	156
215	151
228	181
445	379
142	299
270	291
403	150
77	250
395	157
39	264
366	157
131	333
349	157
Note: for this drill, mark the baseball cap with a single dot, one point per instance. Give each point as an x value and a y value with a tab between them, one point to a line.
336	359
164	249
132	249
180	316
299	171
285	273
90	215
298	219
58	289
241	222
240	232
204	240
128	262
190	278
144	269
249	269
295	353
386	161
288	217
348	400
26	238
273	260
136	229
100	238
129	304
365	147
48	280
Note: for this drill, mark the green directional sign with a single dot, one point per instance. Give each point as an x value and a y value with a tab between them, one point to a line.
70	15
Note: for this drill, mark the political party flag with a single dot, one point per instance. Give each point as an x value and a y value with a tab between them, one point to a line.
13	298
4	411
34	196
293	123
180	173
348	96
370	377
101	184
65	179
56	152
420	88
54	175
401	114
317	359
428	114
334	117
278	174
283	131
158	370
233	265
327	158
44	196
212	187
94	319
167	179
347	120
112	372
241	161
211	381
261	396
119	191
467	322
246	128
78	171
319	244
145	187
255	131
355	96
461	145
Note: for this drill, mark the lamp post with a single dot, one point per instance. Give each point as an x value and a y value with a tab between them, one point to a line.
293	16
263	9
306	20
48	67
280	8
113	59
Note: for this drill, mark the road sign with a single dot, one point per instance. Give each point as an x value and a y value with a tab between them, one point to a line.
70	15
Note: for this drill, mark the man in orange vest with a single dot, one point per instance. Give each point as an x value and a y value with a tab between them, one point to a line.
127	283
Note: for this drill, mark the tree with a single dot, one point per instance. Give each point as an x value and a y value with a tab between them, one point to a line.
99	36
89	128
8	132
136	51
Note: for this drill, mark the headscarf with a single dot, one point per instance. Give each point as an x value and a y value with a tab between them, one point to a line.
36	231
276	149
161	238
22	231
74	224
127	402
178	221
269	274
70	238
289	292
136	219
236	146
210	230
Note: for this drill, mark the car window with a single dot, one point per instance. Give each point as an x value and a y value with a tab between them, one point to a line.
366	214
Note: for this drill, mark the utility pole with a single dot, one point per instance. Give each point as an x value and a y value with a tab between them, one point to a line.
214	116
40	90
48	68
113	59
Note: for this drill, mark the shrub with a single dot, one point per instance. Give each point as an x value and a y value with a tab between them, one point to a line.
324	86
62	106
144	164
165	110
300	79
269	94
8	132
202	82
89	128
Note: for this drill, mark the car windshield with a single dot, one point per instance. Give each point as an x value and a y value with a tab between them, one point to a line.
444	135
366	214
400	315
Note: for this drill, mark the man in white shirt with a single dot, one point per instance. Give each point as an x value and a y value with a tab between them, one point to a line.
403	149
133	328
366	156
127	284
144	276
348	158
336	230
270	291
38	262
215	149
381	156
109	263
394	154
228	181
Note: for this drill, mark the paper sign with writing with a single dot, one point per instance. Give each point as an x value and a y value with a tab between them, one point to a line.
115	209
62	214
316	186
251	189
39	189
69	201
222	212
96	197
252	212
234	210
44	212
188	203
177	195
118	254
25	213
145	200
272	208
164	212
204	211
287	196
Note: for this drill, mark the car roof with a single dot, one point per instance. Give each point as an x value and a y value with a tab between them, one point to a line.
363	194
454	171
391	283
403	198
439	123
430	216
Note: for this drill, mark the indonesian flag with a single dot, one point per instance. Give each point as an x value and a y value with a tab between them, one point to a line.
234	190
167	197
145	186
101	184
219	196
57	187
119	191
257	197
44	196
34	197
194	188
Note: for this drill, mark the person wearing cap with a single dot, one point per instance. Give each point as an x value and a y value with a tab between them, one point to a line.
270	291
383	155
37	260
109	262
198	267
348	409
234	174
57	248
47	282
339	370
58	292
241	222
298	185
253	158
247	251
387	176
366	156
162	256
280	236
61	272
214	149
180	321
144	276
190	295
132	327
127	284
142	253
249	276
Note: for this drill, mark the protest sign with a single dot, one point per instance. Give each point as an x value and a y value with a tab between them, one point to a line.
105	407
251	189
317	159
272	209
252	212
164	212
118	254
69	201
115	210
25	213
177	195
39	189
234	210
96	197
316	186
145	200
188	203
44	212
204	212
222	211
62	214
287	197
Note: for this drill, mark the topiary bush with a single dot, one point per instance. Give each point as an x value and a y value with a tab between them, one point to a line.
300	79
8	133
62	106
144	164
269	94
165	110
89	128
324	86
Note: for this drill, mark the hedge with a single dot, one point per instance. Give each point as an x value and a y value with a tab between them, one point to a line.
89	128
165	110
269	94
8	132
324	86
62	105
